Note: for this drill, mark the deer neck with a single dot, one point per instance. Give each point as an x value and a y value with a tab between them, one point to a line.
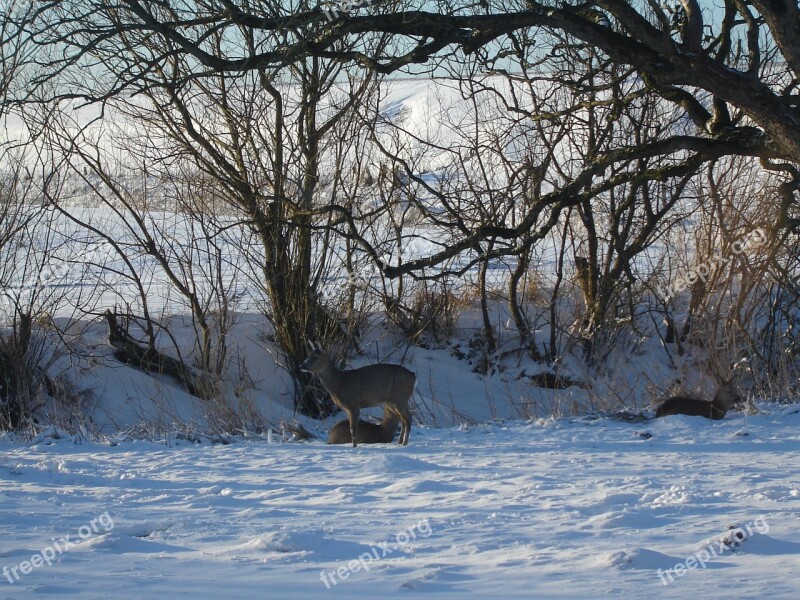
723	399
330	377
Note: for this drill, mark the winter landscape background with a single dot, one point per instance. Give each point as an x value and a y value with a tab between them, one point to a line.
557	215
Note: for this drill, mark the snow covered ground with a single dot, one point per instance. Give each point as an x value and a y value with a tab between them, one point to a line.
568	508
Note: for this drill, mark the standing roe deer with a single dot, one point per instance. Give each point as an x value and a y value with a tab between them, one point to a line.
726	396
368	433
373	385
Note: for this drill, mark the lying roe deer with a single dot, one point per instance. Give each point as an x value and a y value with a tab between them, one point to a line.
373	385
726	396
368	433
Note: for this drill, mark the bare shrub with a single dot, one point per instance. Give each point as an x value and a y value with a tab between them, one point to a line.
24	384
430	317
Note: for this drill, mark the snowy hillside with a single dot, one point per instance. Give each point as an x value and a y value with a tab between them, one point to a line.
84	276
577	508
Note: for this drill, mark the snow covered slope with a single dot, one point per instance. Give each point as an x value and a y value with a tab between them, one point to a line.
558	509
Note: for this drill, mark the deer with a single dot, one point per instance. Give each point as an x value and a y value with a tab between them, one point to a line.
726	396
373	385
368	433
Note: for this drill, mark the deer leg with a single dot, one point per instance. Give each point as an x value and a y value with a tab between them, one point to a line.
405	417
353	415
388	411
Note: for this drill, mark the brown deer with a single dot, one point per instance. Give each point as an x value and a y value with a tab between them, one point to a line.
389	385
368	433
726	396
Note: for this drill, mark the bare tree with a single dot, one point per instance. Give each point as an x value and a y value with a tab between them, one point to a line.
263	136
610	113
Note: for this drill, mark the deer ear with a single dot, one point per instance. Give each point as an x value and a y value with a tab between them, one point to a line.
723	381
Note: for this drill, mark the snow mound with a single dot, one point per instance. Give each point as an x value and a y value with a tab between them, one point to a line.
639	558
